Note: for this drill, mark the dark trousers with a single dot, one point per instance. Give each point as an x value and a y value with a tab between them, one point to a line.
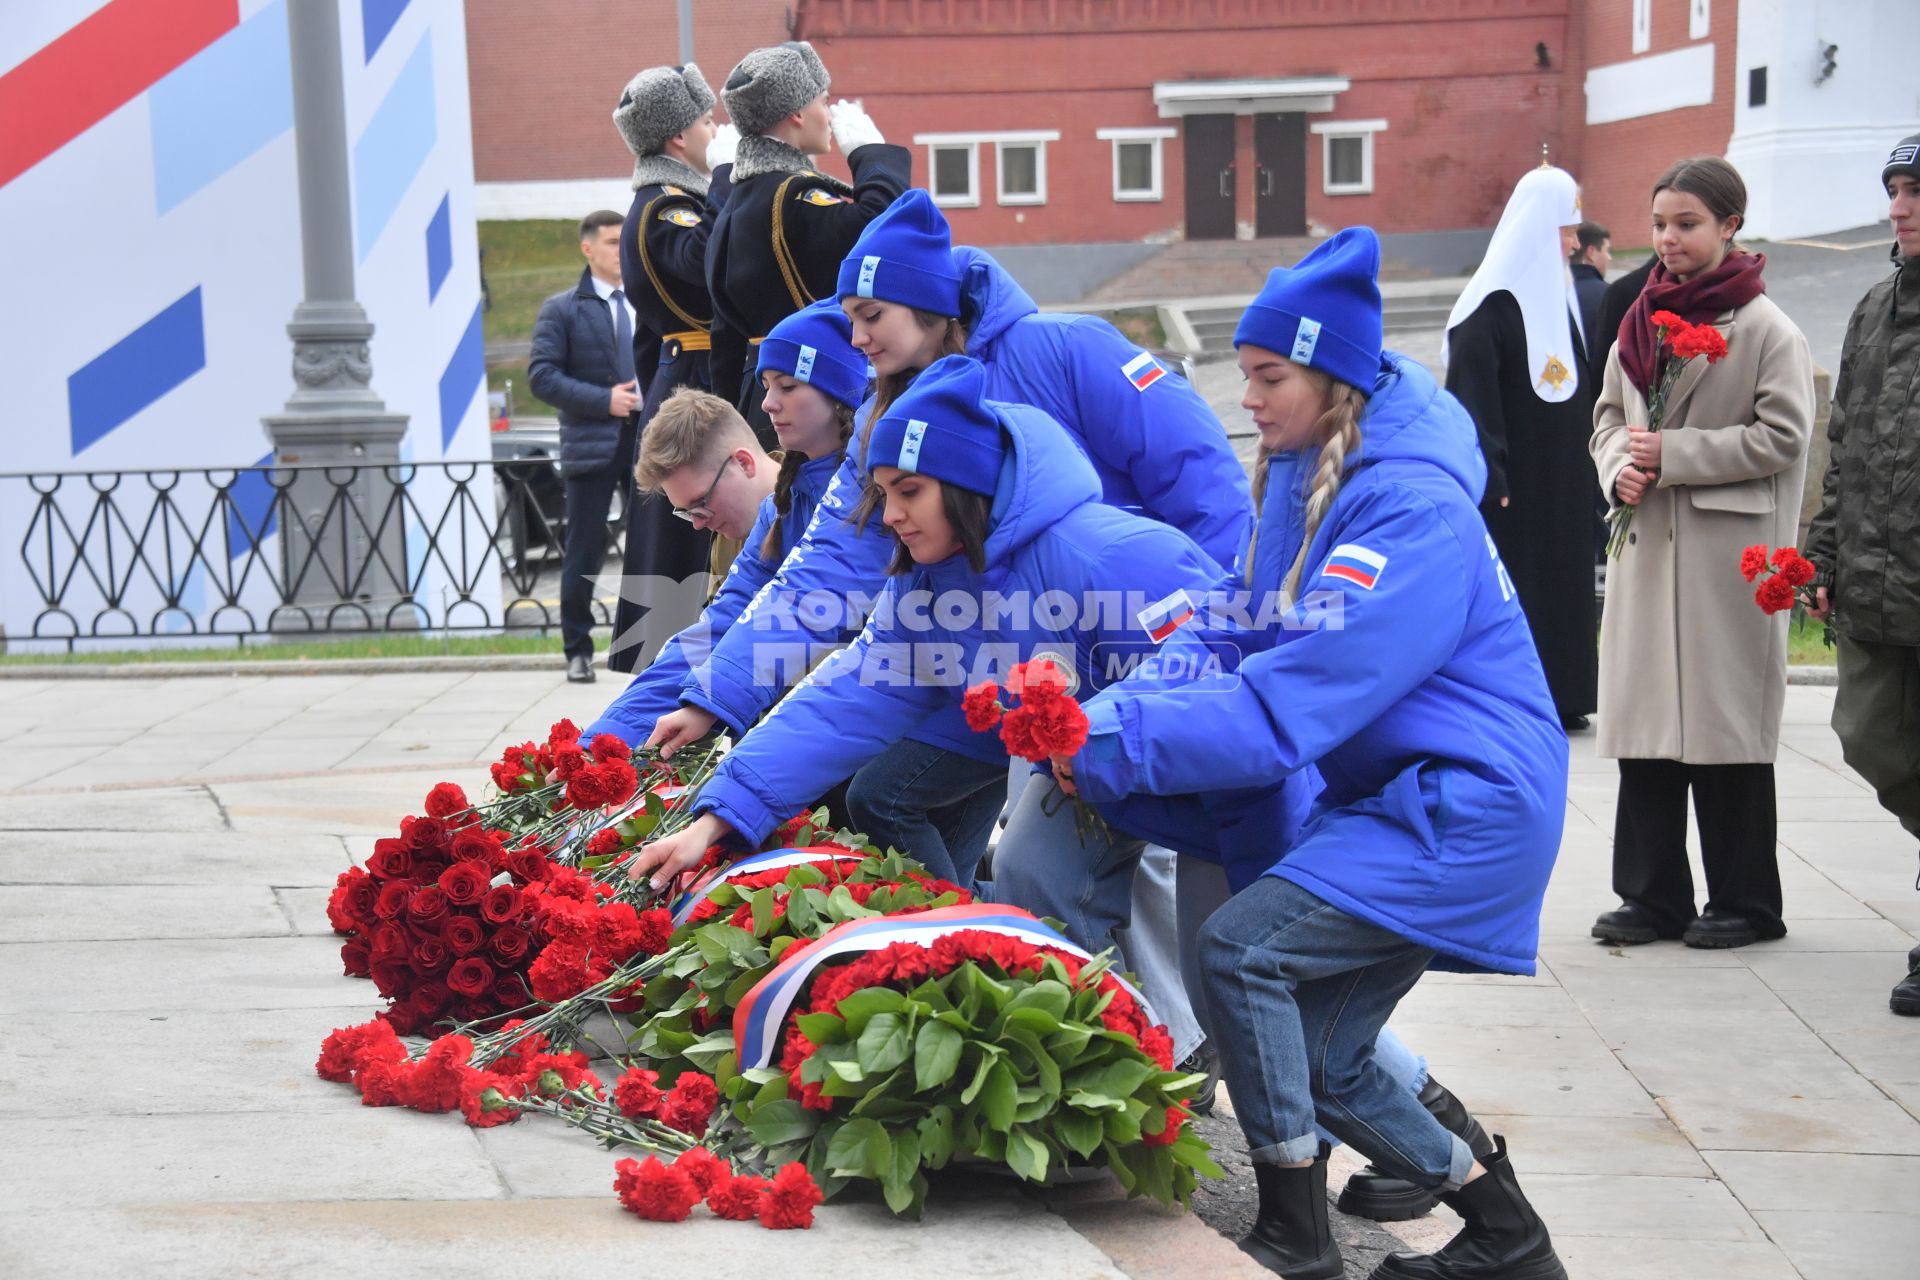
1734	805
589	498
1876	712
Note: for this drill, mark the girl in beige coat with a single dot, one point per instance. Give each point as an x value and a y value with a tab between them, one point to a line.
1692	673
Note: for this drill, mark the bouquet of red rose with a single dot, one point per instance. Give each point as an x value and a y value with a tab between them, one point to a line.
1679	343
974	1043
1782	575
1046	722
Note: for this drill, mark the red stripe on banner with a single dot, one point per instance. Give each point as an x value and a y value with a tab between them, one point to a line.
95	68
1351	574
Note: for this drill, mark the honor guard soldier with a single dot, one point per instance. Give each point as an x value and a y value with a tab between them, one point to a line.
665	117
786	226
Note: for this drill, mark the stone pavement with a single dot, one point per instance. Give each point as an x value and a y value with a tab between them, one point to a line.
165	851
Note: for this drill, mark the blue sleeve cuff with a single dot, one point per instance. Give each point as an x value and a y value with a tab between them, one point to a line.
1101	772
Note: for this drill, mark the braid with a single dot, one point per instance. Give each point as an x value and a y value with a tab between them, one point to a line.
1340	427
1262	468
773	548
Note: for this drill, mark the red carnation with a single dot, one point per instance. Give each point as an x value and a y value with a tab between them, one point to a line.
347	1049
1059	726
1794	567
737	1198
1170	1131
445	800
982	706
705	1168
604	842
790	1199
1669	321
470	976
637	1093
1158	1045
607	746
690	1103
486	1099
1017	732
463	935
1775	595
465	883
1700	340
1752	561
653	1191
510	945
563	731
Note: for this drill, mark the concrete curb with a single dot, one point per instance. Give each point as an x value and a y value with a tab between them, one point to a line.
551	663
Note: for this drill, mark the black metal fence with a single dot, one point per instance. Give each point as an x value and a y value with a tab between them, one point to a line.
268	551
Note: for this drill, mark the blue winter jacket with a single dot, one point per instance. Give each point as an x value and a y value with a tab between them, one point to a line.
656	691
1156	449
1406	674
1065	575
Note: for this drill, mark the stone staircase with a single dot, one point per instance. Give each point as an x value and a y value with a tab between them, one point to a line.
1413	306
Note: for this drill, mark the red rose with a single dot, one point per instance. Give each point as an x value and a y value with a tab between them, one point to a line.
737	1198
1775	595
470	976
528	866
428	955
424	835
391	859
510	945
445	800
502	904
391	902
789	1199
1752	561
981	705
392	976
511	992
463	935
355	959
637	1094
475	844
653	1191
427	907
465	883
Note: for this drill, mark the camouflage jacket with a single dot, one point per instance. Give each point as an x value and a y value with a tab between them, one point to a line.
1865	542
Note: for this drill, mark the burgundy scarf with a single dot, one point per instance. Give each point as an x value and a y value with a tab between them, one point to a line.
1734	283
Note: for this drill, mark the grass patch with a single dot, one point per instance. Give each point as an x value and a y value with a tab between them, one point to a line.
1807	645
526	263
1142	326
381	646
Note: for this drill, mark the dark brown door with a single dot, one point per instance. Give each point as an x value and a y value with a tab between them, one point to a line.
1208	144
1280	174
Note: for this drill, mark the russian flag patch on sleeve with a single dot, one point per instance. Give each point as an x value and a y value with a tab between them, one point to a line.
1143	371
1351	562
1164	617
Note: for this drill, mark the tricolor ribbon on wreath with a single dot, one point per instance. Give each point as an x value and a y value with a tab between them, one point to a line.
758	1019
767	861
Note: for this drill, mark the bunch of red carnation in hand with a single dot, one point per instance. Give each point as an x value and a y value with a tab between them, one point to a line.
440	918
1686	341
667	1192
1047	722
1786	572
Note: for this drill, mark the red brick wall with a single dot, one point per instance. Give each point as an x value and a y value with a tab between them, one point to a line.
544	77
1621	161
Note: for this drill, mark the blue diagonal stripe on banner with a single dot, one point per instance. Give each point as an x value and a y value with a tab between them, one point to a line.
137	370
464	374
230	100
376	22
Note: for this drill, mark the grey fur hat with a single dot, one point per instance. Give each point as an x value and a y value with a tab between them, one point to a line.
658	103
771	84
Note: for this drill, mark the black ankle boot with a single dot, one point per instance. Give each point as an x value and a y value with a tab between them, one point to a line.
1373	1193
1504	1238
1291	1235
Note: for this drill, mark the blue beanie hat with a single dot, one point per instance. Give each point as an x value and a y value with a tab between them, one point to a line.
1324	311
815	345
941	426
906	256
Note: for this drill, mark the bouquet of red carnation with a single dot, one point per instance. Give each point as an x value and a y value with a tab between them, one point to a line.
1046	722
1783	574
975	1045
1679	342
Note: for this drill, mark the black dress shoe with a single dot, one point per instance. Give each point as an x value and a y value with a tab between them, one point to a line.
1905	999
580	669
1575	724
1718	930
1628	925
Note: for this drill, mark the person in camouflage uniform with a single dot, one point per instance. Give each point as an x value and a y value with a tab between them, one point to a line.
1865	542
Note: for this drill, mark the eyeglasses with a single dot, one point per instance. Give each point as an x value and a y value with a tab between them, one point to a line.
699	510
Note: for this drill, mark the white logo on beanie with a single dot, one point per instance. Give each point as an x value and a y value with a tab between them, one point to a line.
803	364
911	442
1305	339
869	267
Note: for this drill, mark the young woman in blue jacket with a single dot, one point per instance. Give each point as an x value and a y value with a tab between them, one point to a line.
990	507
1405	674
814	380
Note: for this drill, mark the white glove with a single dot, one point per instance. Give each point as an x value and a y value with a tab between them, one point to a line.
853	128
724	146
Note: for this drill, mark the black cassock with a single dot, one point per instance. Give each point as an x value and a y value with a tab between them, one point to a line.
1537	459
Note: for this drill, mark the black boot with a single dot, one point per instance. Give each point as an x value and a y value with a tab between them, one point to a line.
1291	1235
1203	1061
1504	1238
1372	1193
1905	999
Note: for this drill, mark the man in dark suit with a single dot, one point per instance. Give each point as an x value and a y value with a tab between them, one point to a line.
1590	263
582	364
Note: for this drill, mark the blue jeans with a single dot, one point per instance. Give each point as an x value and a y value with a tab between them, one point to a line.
934	805
1308	989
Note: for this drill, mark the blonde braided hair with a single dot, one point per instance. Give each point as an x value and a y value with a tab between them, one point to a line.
1339	433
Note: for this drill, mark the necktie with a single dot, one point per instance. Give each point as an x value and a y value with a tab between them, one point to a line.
622	338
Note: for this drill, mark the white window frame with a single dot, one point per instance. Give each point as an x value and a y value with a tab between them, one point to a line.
1157	137
1699	19
1039	193
1642	25
1361	129
1038	138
